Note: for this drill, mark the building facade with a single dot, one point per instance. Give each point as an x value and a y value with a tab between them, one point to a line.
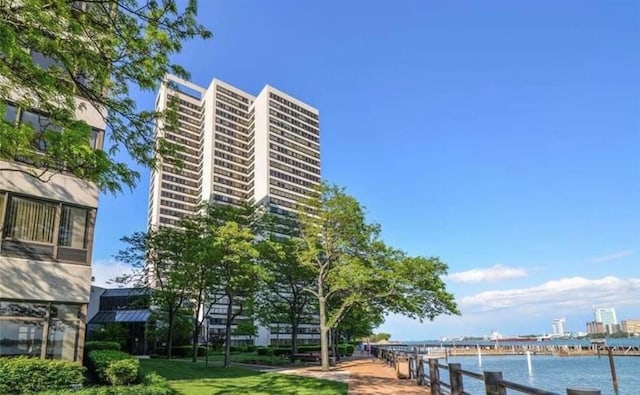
607	316
595	328
559	327
46	238
631	326
237	147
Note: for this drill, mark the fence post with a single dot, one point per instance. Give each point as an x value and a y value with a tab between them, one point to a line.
420	372
434	376
455	378
583	391
492	383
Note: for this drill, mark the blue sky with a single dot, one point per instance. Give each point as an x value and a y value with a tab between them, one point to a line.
501	136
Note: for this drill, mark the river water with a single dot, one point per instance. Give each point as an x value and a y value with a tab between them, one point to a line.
551	373
554	373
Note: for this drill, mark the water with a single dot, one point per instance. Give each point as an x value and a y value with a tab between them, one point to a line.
554	373
628	342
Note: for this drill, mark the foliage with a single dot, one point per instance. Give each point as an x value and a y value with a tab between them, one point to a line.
100	345
153	384
114	332
99	50
264	351
158	323
360	321
99	362
380	337
246	328
186	351
353	267
158	256
123	372
284	299
23	375
227	248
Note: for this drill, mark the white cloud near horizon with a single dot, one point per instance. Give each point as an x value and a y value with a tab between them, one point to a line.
612	257
497	272
105	270
565	294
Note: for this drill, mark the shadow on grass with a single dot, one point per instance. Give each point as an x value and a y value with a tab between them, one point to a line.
182	370
196	379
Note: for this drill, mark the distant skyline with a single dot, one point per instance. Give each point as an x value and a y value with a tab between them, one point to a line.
503	137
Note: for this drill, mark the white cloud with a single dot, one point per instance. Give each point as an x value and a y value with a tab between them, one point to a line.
612	257
105	270
564	294
494	273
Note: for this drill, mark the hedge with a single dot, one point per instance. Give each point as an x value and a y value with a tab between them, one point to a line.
153	384
24	375
100	345
264	351
99	362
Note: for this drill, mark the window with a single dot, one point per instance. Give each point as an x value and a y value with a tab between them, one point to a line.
45	61
39	330
10	112
73	226
30	220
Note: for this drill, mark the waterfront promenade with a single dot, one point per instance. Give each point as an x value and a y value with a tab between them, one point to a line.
365	375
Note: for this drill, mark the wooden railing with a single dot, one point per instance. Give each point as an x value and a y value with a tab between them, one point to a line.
426	372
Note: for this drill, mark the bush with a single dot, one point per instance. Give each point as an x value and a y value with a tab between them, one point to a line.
306	349
281	351
264	351
23	375
349	348
100	360
152	384
251	348
100	345
123	372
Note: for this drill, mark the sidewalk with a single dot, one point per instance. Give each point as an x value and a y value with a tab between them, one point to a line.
367	376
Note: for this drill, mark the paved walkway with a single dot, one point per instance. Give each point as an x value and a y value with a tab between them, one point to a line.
365	377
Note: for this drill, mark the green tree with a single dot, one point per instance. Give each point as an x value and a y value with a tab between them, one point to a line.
352	266
54	51
284	298
158	261
229	234
246	328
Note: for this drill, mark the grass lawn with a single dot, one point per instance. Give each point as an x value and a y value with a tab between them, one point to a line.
189	378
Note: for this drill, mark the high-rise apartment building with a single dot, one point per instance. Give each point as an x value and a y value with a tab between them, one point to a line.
607	316
237	147
630	326
559	327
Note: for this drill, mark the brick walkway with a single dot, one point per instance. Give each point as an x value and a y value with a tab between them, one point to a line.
365	377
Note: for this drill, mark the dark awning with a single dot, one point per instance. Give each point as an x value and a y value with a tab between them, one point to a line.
104	317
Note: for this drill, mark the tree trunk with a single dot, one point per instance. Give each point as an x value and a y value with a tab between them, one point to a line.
336	344
294	336
171	318
324	346
196	332
227	333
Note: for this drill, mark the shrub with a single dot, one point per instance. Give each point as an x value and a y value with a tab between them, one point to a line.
100	360
305	349
23	375
264	351
349	348
251	348
281	351
123	372
100	345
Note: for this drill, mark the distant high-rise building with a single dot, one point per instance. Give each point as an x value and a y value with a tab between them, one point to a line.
607	316
559	326
595	328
